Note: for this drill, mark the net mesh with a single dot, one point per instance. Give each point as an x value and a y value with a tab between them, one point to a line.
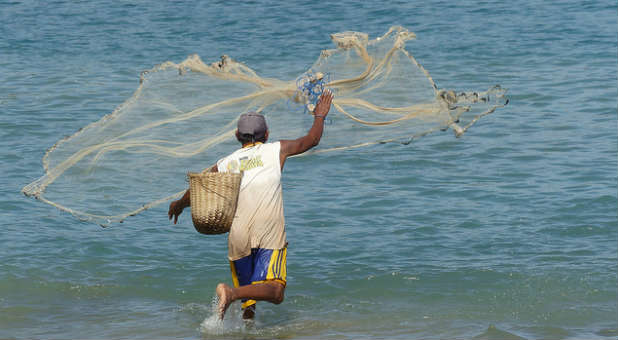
182	117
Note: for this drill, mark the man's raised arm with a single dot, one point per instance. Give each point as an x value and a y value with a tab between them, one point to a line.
312	138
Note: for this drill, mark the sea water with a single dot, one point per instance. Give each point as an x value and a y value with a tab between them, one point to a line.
508	232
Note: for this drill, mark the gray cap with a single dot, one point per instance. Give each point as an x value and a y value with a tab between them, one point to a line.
252	123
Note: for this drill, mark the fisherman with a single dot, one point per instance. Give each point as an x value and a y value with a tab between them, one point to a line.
257	245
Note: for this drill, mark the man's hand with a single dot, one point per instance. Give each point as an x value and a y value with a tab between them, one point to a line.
312	138
323	105
176	208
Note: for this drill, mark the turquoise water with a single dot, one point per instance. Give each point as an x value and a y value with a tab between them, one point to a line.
510	231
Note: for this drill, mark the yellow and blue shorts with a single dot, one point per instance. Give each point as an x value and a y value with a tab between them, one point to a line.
261	266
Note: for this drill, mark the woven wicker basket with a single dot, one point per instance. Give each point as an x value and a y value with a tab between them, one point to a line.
214	196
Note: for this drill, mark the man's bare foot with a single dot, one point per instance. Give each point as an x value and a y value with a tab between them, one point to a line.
249	313
224	292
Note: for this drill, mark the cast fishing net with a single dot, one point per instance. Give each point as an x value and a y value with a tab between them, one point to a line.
182	118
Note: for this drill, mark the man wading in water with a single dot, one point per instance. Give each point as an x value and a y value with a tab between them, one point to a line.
257	245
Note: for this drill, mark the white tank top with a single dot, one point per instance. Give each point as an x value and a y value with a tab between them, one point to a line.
259	221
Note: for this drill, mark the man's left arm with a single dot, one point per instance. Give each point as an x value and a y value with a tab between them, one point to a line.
176	207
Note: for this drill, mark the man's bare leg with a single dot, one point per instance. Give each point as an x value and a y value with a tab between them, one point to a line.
271	291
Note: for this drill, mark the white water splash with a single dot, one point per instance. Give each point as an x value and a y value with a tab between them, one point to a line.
232	323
